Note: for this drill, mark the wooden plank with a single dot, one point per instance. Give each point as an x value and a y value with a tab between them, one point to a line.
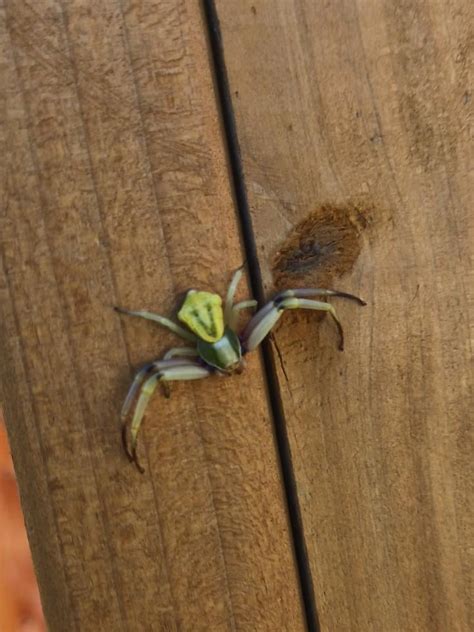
116	191
355	114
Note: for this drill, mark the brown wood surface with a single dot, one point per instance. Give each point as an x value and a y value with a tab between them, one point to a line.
365	106
115	190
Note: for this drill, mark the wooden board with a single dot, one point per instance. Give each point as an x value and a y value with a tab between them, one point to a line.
356	114
115	190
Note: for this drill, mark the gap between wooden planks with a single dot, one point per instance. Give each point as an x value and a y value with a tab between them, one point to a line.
367	105
116	191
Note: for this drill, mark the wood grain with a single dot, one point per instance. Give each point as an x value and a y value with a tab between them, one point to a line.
368	104
116	191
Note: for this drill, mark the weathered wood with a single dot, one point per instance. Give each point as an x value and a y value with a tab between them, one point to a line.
365	104
116	191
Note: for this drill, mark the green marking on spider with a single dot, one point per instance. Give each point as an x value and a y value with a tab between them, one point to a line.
217	346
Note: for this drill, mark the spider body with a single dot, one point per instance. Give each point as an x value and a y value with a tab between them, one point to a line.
217	347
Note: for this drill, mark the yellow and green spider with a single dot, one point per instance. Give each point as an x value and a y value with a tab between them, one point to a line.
216	345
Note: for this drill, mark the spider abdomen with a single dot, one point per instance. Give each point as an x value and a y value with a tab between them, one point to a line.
202	313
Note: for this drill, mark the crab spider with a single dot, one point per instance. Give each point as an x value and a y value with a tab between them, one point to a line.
216	345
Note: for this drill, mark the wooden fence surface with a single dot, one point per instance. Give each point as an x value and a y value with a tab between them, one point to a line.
352	121
361	109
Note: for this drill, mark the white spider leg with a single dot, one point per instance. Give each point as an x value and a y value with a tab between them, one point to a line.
140	376
258	322
183	352
254	335
229	299
251	303
186	371
257	319
260	326
313	291
187	352
165	322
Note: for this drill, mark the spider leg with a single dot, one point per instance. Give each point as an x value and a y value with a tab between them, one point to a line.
139	378
229	299
165	322
266	318
187	370
188	352
185	352
234	315
316	291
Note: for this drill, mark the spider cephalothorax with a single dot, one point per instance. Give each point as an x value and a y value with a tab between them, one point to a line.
216	345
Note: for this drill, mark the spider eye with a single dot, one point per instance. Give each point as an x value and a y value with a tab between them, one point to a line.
202	313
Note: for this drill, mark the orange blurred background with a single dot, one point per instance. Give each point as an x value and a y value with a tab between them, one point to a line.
20	607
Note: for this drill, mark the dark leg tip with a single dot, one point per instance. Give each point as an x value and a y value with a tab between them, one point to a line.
124	442
139	467
131	454
166	390
352	297
137	463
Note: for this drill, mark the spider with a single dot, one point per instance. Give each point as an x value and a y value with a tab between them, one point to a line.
216	345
